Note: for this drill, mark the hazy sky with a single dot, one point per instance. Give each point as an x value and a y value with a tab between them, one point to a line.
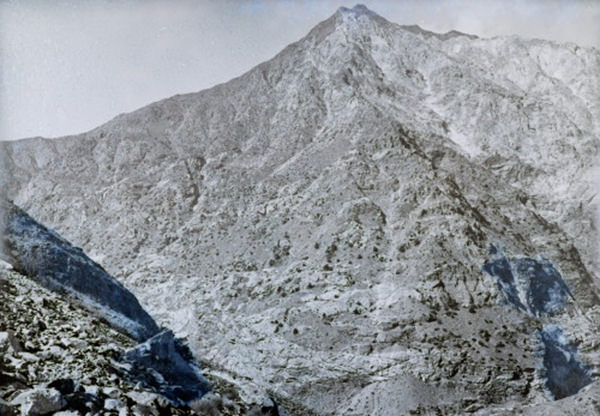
67	66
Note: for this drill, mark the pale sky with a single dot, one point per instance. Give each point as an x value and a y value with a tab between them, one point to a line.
67	66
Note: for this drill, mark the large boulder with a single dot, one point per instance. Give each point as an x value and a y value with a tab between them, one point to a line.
9	343
166	365
39	401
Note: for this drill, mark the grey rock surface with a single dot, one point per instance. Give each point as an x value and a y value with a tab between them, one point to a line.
316	228
8	343
39	401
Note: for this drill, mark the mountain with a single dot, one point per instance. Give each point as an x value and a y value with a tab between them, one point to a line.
378	220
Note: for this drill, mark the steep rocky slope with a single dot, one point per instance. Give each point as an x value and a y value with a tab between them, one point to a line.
57	357
65	348
317	227
54	263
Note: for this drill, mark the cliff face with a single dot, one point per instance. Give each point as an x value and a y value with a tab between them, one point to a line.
317	227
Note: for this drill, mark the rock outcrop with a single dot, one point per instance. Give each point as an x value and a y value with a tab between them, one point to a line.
563	370
52	261
531	285
166	365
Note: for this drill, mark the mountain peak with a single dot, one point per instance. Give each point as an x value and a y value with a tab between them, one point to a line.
357	10
349	18
359	14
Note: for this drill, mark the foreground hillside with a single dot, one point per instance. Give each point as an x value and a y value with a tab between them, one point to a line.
379	220
57	357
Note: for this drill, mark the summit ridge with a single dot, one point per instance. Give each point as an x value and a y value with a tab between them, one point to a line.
358	9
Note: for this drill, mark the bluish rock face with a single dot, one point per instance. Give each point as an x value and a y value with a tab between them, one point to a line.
546	291
165	365
501	270
563	372
535	287
530	285
43	255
